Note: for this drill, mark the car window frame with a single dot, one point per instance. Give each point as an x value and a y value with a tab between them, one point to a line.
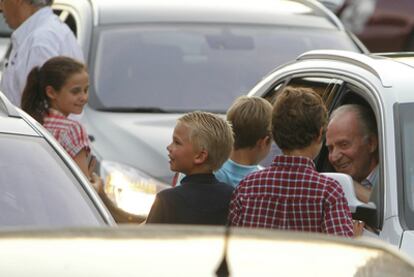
359	88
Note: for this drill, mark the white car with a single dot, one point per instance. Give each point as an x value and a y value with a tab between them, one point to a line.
40	184
386	86
189	251
151	61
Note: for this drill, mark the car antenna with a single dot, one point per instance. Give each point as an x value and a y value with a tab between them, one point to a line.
223	269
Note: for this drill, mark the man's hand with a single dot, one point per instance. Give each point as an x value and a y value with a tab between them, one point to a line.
362	193
358	228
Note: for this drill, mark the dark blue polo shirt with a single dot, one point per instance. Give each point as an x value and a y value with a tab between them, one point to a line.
200	199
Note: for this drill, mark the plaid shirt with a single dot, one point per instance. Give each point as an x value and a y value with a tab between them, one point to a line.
69	133
291	195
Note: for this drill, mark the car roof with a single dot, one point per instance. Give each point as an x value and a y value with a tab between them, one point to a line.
280	12
382	67
169	250
403	57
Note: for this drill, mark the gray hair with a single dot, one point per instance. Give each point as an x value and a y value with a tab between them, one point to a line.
366	117
40	3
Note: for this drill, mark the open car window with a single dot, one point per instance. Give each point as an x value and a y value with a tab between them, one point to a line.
335	92
351	93
326	87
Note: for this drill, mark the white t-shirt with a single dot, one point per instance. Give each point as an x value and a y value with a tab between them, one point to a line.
42	36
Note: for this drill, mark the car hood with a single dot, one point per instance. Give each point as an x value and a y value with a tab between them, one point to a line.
170	250
135	139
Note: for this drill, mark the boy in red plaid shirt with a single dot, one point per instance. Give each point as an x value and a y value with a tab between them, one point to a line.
290	194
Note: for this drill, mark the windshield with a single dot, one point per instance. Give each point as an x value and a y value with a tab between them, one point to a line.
37	188
180	68
406	132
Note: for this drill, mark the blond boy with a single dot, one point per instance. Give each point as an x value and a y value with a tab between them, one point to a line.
201	143
250	118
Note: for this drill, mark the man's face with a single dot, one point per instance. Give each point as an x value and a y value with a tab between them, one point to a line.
350	151
10	12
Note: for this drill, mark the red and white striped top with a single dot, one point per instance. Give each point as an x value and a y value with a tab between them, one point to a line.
69	133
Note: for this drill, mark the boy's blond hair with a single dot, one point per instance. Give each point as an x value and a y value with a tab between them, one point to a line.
251	119
212	133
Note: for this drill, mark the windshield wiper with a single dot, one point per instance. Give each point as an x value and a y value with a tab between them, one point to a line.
133	110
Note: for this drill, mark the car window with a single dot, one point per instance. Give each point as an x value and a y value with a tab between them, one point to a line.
188	67
405	131
326	87
335	92
37	188
357	93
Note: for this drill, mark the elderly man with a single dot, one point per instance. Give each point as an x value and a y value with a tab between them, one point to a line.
38	35
352	141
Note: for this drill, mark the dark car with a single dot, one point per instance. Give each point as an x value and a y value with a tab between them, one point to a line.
391	27
382	25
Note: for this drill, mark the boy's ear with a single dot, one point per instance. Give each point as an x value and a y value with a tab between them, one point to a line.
268	140
263	142
201	157
50	92
320	136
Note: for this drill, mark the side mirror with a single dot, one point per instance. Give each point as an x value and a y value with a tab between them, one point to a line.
360	210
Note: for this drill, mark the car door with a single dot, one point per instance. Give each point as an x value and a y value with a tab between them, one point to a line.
79	16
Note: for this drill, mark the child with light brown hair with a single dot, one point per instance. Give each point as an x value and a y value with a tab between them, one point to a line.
201	143
53	91
251	119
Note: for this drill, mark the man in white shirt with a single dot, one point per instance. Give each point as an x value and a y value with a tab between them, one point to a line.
38	35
